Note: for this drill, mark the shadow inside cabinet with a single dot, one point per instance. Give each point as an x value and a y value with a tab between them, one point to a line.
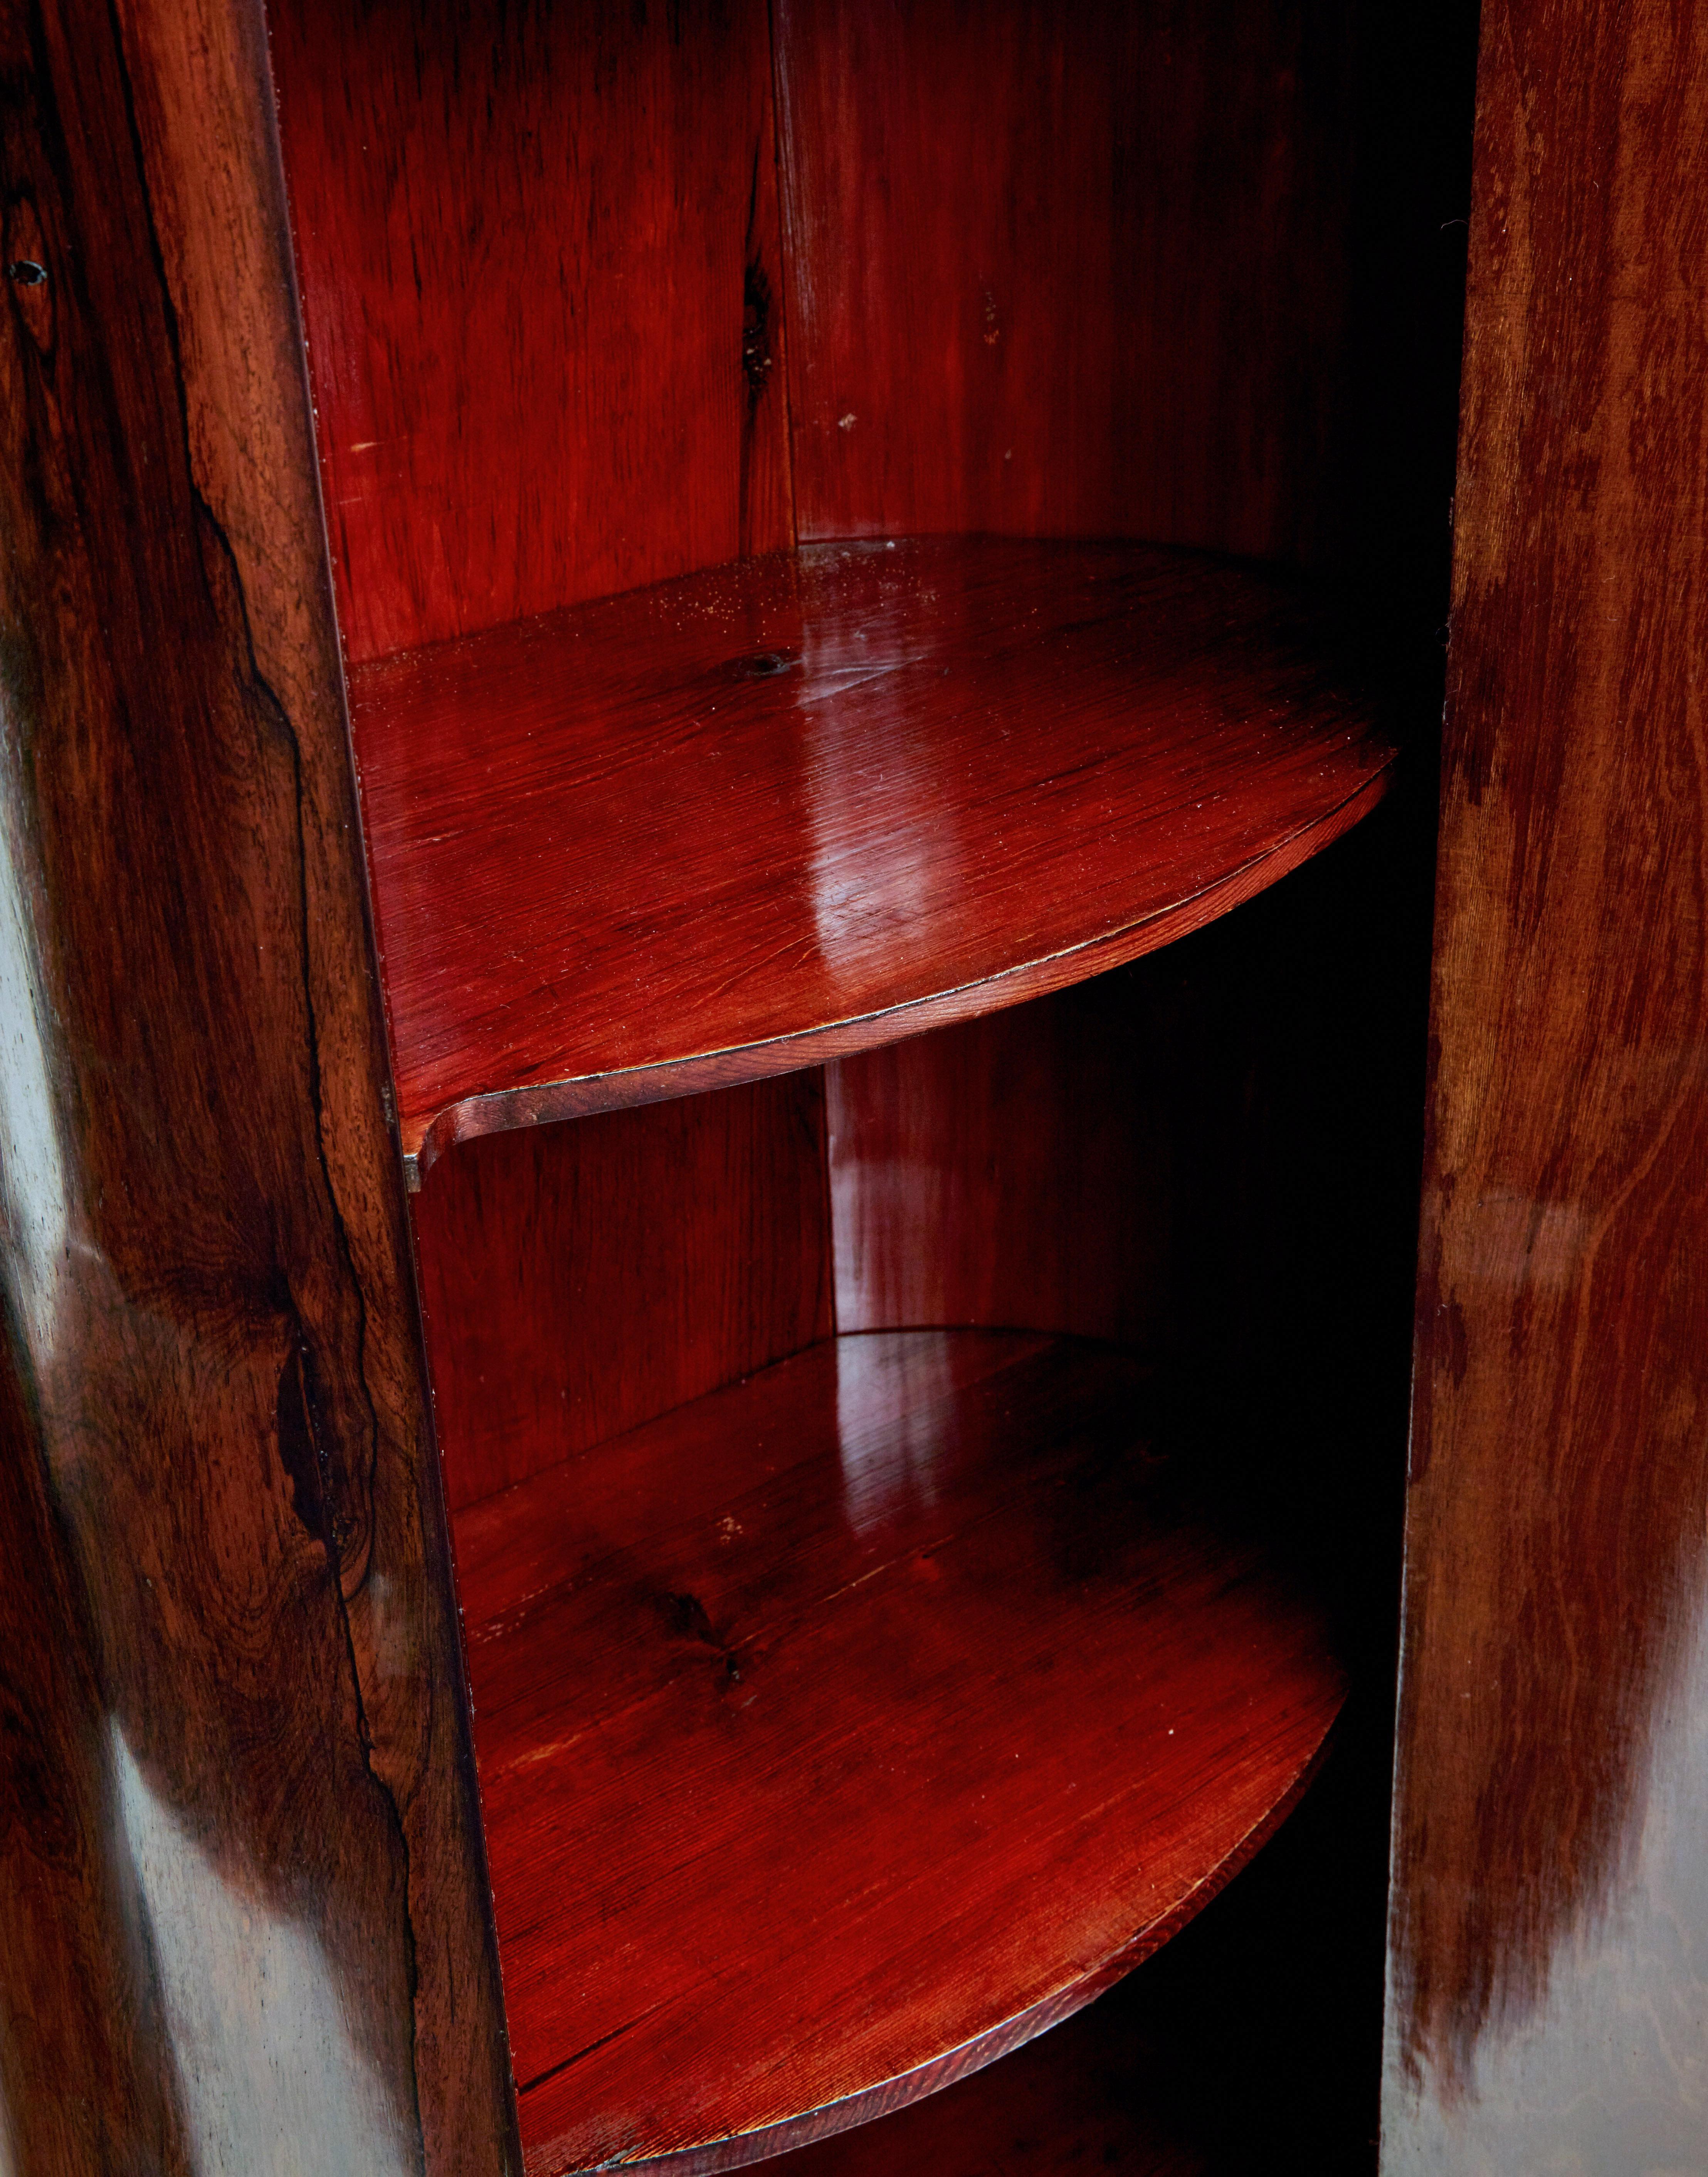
851	525
918	1521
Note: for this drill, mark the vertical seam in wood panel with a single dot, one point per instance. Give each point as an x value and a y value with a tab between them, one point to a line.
786	285
824	1074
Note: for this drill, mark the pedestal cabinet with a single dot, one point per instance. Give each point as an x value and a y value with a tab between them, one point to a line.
720	732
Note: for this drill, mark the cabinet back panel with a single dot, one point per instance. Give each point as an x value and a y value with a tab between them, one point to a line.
1066	270
1050	271
580	1280
1178	1156
1209	1157
540	269
1012	1170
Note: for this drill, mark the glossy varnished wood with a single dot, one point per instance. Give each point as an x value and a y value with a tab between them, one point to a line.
1224	2055
840	1730
1162	2076
1070	271
244	1916
1019	1169
1550	1919
578	1280
1078	2099
542	289
808	804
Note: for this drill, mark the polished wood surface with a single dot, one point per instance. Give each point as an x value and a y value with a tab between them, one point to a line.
245	1914
1081	2098
248	1917
847	1726
542	288
1224	2055
578	1280
1018	1169
1094	271
1070	271
806	805
1550	1917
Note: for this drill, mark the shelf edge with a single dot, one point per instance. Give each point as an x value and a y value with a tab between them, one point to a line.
501	1110
748	2149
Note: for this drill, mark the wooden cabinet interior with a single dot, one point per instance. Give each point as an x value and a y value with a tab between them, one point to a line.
1032	270
607	298
814	801
755	1684
846	1728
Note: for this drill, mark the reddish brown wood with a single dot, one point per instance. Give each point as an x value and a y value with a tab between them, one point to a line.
1222	2056
244	1910
840	1729
804	806
244	1917
578	1280
1549	1912
1087	2097
1013	1170
1068	270
86	2065
1113	2090
543	290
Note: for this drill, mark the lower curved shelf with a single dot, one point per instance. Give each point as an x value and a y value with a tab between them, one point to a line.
840	1730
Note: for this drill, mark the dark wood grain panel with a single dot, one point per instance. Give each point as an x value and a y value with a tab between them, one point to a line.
1015	1170
1061	271
86	2076
808	804
580	1280
841	1729
1548	1910
250	1874
543	290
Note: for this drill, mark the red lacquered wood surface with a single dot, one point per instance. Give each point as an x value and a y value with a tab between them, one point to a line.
578	1280
1070	271
808	804
1081	2101
847	1726
1016	1170
541	283
1138	2084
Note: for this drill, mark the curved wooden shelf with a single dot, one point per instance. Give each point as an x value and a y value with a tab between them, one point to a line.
843	1729
1106	2095
816	801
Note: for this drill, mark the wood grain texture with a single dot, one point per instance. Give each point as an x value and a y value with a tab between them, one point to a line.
1210	1155
85	2064
578	1280
1059	271
1081	2098
542	291
1222	2056
841	1729
245	1912
806	805
1013	1171
1547	1989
